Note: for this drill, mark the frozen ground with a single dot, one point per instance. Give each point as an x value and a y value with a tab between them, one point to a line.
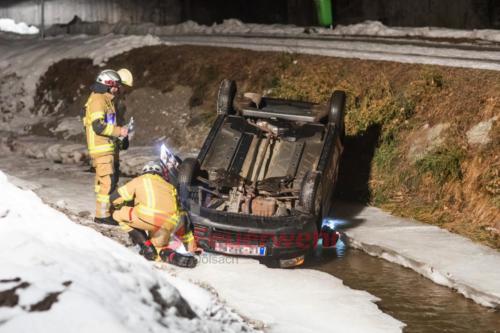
277	300
58	276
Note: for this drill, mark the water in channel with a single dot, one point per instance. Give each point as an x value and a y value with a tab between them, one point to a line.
422	305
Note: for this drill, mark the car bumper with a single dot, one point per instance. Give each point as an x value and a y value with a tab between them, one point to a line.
275	237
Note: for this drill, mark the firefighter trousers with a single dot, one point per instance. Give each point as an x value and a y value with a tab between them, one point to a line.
158	228
106	179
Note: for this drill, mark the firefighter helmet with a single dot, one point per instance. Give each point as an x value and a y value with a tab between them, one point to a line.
109	78
153	167
126	77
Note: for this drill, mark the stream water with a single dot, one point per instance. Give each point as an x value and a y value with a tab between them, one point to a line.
422	305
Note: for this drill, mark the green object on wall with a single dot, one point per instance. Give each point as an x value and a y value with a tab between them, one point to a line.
324	9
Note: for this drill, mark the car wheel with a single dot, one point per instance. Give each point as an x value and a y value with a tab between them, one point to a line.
310	198
186	176
337	111
225	97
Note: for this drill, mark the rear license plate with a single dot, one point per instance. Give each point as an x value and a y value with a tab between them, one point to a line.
241	250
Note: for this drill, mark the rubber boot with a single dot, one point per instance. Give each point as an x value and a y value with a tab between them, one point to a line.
148	251
137	236
178	259
105	220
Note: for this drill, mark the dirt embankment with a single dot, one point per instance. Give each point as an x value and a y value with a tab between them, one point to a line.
423	141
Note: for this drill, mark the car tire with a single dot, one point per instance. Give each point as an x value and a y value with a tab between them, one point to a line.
310	197
337	111
186	176
225	97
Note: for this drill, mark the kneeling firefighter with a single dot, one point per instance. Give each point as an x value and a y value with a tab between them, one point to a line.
155	210
104	137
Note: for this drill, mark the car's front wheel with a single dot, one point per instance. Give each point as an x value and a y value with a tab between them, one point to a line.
225	97
310	198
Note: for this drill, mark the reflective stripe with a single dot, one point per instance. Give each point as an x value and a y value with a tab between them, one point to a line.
124	194
188	237
150	197
96	115
102	148
155	213
97	188
102	198
108	130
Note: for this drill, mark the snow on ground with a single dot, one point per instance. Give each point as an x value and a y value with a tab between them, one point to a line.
376	28
9	25
58	276
23	62
300	300
367	28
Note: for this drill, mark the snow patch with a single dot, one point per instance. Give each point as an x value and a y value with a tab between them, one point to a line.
376	28
58	275
298	300
9	25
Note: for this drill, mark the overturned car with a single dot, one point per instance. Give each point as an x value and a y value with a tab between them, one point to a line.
265	176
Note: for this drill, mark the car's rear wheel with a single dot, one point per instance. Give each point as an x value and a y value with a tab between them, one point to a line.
337	111
310	198
225	97
188	170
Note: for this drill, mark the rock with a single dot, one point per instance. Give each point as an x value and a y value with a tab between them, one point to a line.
132	160
479	134
425	140
53	153
69	127
73	153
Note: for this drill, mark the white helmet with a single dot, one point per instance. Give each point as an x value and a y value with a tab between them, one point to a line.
153	167
126	77
109	78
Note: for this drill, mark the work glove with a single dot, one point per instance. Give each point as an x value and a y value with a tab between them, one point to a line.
125	143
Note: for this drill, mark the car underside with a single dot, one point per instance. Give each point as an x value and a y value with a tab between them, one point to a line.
268	168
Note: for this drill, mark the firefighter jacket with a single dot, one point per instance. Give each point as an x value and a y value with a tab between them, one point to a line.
154	199
100	125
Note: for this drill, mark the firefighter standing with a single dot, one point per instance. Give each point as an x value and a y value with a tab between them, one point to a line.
103	137
155	210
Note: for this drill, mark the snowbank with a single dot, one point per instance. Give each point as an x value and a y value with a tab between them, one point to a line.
376	28
58	276
22	28
367	28
237	27
287	301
